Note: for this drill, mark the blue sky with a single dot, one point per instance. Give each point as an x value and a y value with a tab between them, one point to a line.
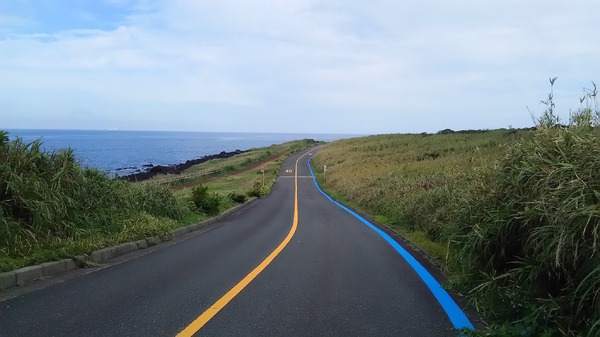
371	67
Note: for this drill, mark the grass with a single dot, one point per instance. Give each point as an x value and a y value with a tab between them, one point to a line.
240	183
245	182
435	250
527	243
396	179
513	215
223	167
52	208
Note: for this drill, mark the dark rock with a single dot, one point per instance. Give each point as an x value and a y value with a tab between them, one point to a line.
152	170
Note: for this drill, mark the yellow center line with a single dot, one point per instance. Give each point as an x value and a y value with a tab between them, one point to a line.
206	316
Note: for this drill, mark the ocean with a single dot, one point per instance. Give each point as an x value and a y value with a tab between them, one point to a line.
125	152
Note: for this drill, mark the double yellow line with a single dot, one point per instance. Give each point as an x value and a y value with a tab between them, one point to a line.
206	316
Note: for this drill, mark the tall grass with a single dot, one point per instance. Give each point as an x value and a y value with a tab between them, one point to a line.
528	240
51	207
518	212
47	198
411	182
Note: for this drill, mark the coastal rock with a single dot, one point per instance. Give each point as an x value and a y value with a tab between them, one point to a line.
152	170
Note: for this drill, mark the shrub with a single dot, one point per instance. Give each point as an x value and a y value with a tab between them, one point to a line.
258	190
528	242
153	199
519	211
48	200
211	204
237	197
206	202
199	193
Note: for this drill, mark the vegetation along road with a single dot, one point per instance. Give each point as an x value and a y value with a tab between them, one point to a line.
291	264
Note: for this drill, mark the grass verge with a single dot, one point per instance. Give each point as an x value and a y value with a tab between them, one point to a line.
411	183
53	208
513	215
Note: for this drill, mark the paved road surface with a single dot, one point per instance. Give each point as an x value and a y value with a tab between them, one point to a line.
335	277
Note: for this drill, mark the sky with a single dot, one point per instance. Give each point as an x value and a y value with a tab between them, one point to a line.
348	67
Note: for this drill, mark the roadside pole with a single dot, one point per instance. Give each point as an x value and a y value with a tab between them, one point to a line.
262	170
324	173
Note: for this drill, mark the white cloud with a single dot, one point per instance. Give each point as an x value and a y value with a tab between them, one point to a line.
381	66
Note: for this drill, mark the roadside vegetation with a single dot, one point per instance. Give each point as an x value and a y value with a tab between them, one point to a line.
222	167
231	188
52	208
512	215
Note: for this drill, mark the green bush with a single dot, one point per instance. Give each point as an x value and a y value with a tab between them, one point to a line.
527	242
199	194
519	211
206	202
237	197
47	200
259	190
211	204
153	199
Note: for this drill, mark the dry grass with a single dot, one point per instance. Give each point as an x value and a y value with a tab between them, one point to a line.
411	181
518	211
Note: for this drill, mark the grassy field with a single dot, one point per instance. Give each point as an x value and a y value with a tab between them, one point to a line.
513	216
222	167
52	208
224	184
412	183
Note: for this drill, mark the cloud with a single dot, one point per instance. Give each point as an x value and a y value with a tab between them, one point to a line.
382	66
12	20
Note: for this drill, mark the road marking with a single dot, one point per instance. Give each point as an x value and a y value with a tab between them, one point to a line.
454	313
199	322
288	171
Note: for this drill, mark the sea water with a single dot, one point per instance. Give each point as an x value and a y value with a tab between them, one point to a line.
125	152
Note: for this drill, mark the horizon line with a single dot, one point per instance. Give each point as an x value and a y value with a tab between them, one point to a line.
186	131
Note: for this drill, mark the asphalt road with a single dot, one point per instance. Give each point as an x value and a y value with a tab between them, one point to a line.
335	277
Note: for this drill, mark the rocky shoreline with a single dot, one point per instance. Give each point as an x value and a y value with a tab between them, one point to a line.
151	170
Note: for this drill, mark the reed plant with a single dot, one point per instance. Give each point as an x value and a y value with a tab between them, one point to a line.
411	182
51	207
48	199
528	241
517	212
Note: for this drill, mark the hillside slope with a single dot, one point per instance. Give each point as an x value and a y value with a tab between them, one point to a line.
512	216
410	182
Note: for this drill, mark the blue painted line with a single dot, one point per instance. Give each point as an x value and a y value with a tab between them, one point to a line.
455	314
